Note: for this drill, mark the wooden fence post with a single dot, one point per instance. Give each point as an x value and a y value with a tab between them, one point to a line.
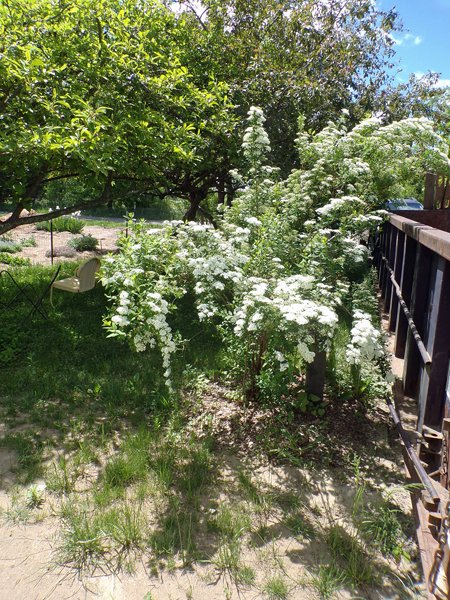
389	288
419	296
437	340
406	284
430	191
397	268
383	252
315	374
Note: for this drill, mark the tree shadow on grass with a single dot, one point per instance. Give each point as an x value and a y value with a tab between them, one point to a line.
63	380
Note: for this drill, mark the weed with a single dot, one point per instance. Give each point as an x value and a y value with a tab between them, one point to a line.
17	511
251	491
228	558
83	539
176	533
195	471
29	449
85	454
163	467
380	524
131	464
347	550
120	472
327	580
14	261
230	522
29	242
276	588
246	575
104	495
10	247
35	496
296	523
60	478
126	526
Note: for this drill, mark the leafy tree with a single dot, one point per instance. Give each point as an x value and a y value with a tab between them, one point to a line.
97	91
291	57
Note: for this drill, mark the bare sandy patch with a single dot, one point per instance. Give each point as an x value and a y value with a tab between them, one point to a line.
107	237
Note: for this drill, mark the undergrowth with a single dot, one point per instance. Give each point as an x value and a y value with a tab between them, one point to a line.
131	472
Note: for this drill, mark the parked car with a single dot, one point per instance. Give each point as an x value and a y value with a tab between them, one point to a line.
403	204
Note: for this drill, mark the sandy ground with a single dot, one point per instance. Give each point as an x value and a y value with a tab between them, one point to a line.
30	570
107	238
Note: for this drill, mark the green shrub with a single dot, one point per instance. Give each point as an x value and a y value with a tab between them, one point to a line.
84	243
28	242
69	224
9	246
13	261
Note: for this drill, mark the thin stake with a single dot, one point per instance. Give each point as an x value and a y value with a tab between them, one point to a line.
51	240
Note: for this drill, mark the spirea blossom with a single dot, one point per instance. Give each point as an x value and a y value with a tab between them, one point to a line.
365	341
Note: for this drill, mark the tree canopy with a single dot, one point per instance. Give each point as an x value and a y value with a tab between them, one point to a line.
308	57
148	95
97	91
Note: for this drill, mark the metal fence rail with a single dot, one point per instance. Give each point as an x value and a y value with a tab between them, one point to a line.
413	262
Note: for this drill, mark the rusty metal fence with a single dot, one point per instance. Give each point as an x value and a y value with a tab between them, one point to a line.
412	256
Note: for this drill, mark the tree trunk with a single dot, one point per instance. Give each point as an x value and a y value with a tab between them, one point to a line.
230	193
221	191
195	198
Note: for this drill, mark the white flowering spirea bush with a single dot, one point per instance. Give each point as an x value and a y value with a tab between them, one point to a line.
272	276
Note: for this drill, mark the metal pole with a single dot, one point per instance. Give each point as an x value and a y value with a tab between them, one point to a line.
420	345
423	475
51	240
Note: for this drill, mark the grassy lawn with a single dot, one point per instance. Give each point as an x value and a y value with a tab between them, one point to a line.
234	493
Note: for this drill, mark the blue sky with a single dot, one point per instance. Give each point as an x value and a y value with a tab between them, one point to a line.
424	45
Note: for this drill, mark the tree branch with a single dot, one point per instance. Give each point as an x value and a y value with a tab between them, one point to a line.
66	176
14	220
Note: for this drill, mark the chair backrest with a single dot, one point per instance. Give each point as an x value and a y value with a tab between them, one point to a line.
86	274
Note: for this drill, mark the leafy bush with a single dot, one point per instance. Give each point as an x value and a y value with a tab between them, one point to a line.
85	243
28	242
9	246
275	279
69	224
13	261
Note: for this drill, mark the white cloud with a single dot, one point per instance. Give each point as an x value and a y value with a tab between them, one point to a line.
442	83
407	39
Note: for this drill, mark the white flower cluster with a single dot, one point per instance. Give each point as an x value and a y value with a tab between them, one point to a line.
156	323
365	341
256	142
282	304
336	204
121	319
278	266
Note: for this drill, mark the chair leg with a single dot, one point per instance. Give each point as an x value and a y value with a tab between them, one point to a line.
51	297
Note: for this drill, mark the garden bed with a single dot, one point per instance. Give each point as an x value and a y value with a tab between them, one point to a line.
40	253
